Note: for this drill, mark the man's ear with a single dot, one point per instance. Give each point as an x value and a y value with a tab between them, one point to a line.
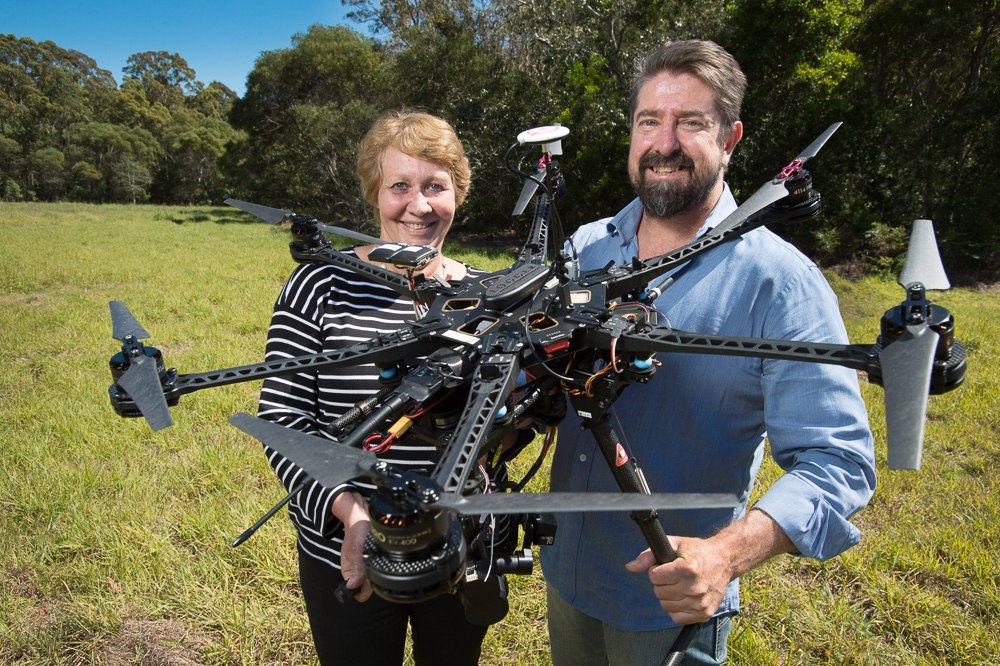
730	143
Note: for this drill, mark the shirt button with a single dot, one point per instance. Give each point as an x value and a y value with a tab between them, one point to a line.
583	457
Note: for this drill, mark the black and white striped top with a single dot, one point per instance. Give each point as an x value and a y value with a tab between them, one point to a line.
325	308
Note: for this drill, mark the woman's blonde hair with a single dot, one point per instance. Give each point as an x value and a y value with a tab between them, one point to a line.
418	135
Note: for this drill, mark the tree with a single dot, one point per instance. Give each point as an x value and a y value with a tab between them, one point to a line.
924	107
165	77
399	21
123	156
10	158
44	90
46	173
797	87
85	181
189	168
304	112
131	179
914	80
213	101
580	54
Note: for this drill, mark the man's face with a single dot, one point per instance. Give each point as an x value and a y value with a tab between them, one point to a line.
676	158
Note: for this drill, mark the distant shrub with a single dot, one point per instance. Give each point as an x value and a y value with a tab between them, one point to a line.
884	249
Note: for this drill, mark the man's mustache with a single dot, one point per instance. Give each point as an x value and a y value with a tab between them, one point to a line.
677	159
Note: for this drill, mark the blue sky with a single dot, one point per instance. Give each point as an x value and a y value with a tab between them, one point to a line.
220	39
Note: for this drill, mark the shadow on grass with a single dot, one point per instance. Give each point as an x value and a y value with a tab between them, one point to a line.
499	246
215	215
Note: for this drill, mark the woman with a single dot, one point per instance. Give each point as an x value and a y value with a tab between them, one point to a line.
415	174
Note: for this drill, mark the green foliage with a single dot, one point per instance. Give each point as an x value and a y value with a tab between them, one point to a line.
795	85
46	170
580	56
123	156
923	116
304	112
399	21
885	247
68	131
165	77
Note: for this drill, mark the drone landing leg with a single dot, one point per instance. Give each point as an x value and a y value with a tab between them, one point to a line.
629	478
267	516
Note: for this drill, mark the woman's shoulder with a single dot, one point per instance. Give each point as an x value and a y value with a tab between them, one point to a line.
323	281
313	274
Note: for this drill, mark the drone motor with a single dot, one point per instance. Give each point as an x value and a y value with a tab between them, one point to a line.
121	401
306	234
412	553
948	371
802	201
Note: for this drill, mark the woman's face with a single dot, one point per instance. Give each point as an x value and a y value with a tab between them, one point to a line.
416	200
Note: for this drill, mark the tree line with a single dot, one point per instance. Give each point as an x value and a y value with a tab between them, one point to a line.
915	82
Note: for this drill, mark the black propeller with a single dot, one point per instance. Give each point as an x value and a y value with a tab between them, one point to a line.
549	138
527	192
141	377
124	324
331	464
277	216
328	463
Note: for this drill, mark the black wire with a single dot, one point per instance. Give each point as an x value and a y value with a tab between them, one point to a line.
531	345
522	174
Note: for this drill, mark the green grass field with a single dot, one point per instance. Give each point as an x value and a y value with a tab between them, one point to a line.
114	540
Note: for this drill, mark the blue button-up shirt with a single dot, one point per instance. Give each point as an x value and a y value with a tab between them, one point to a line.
702	422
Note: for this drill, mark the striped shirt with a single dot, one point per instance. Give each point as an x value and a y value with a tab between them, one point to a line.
322	309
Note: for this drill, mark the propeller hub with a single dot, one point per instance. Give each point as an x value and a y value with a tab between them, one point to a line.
792	169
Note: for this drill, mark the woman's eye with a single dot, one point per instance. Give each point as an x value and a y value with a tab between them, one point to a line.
399	187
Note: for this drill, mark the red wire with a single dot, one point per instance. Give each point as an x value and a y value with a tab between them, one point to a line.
382	446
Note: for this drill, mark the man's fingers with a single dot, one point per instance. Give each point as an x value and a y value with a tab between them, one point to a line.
642	562
688	617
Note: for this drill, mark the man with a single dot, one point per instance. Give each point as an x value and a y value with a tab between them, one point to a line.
700	424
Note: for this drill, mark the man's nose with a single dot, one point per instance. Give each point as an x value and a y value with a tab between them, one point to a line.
665	141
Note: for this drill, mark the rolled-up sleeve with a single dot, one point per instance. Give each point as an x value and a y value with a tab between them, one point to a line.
817	427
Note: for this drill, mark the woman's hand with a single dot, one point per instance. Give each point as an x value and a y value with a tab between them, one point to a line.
351	509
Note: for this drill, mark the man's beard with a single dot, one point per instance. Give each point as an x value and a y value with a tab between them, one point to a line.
666	199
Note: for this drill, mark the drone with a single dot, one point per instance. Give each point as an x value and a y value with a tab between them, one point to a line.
508	348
